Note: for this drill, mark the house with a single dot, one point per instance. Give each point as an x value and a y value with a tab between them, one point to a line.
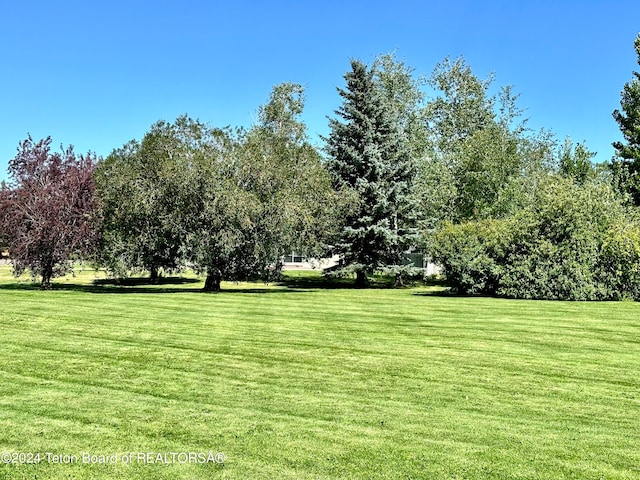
297	261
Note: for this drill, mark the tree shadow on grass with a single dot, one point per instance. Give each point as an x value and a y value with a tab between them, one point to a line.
449	293
291	282
444	293
142	285
143	281
315	280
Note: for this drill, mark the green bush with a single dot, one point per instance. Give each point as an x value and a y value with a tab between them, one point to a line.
471	254
619	262
571	242
554	250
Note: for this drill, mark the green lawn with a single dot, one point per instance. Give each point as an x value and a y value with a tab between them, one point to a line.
304	383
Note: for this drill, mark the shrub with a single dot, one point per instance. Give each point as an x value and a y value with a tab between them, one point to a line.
556	241
471	254
619	262
571	242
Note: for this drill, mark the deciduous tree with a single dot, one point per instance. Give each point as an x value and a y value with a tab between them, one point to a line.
483	160
143	199
228	203
575	162
260	194
48	212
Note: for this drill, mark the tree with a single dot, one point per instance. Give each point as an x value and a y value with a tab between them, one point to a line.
48	212
575	162
368	158
228	203
463	107
404	101
464	138
265	193
483	160
221	241
143	198
289	175
626	165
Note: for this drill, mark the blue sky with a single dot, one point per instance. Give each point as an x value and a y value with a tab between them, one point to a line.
97	74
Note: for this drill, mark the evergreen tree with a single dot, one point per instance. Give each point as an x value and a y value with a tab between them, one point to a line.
369	160
626	165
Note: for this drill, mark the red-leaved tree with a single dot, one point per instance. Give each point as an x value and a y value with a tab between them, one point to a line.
47	213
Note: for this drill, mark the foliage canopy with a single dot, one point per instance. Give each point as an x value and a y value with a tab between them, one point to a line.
47	212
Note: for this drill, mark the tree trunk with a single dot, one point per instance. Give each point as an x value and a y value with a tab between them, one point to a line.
361	278
213	280
46	282
153	278
47	273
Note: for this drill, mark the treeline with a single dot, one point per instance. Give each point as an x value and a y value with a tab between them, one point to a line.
458	175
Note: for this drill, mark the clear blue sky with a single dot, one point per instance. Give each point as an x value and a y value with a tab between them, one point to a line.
97	74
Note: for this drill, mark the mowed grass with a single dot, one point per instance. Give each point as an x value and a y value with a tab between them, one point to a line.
308	383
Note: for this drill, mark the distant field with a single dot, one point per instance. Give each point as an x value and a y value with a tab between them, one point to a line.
297	382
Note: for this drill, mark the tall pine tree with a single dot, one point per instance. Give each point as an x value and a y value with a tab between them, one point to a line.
367	158
626	165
